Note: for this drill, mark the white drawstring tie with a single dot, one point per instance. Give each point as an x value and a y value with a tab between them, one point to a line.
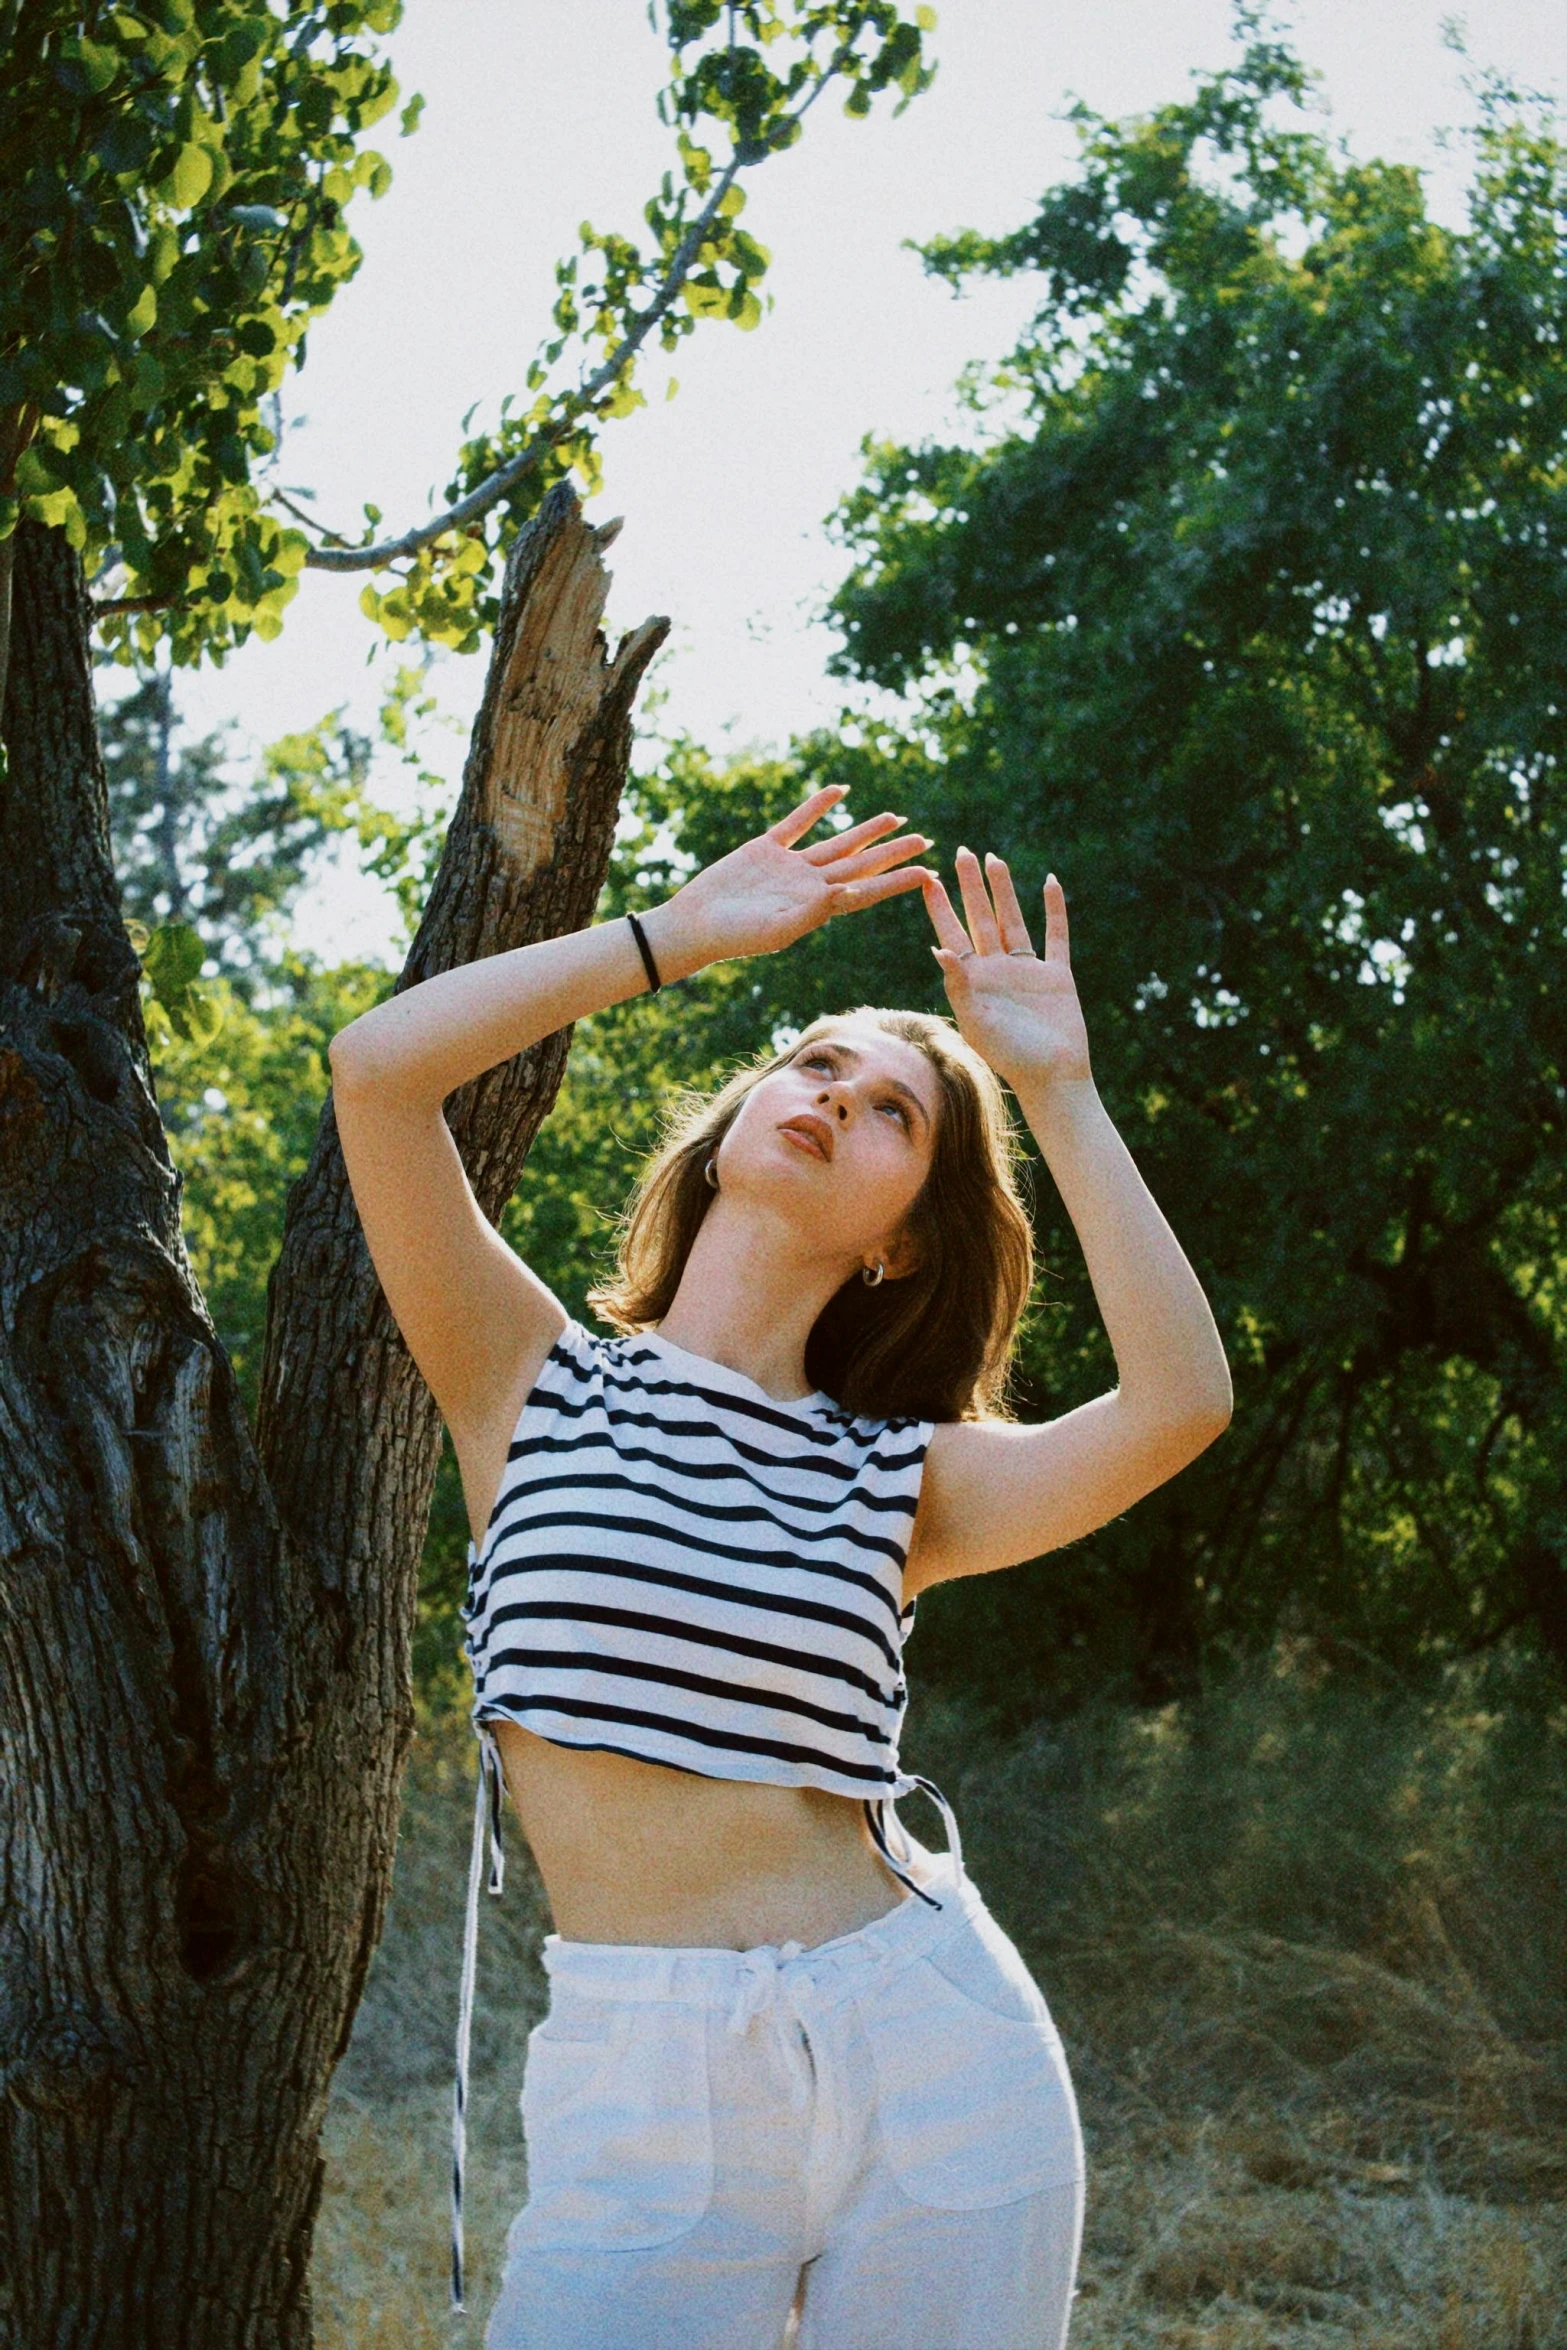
763	1990
486	1814
882	1809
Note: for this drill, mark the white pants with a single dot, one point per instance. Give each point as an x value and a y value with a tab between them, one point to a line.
883	2125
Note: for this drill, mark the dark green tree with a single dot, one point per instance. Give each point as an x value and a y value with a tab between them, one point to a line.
1248	614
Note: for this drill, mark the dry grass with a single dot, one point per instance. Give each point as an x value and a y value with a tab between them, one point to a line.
1307	1944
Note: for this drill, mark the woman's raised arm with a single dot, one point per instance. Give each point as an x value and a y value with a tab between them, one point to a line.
996	1494
477	1322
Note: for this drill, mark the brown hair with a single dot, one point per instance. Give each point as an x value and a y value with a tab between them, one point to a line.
933	1345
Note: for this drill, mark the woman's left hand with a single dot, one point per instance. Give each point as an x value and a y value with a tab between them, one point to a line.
1017	1008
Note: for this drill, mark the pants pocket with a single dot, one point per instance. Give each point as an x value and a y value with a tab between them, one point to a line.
975	2103
617	2114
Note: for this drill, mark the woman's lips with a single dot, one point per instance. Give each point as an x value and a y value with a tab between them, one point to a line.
809	1133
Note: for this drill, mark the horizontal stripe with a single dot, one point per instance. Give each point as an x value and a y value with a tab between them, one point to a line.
577	1610
682	1539
721	1513
701	1734
661	1424
563	1660
646	1373
761	1772
811	1611
666	1459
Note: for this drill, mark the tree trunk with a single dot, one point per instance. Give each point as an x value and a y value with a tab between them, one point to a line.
204	1639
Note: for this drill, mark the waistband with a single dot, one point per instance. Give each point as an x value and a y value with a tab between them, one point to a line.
830	1972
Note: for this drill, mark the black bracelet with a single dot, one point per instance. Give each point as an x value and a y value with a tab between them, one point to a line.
646	952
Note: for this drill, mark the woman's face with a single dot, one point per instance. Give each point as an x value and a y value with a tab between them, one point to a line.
839	1140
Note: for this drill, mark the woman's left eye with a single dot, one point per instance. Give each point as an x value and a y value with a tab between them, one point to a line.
898	1111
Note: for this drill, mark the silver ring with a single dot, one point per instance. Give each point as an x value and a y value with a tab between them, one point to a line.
967	954
1028	951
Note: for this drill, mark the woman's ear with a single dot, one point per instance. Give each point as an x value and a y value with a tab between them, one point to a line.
901	1256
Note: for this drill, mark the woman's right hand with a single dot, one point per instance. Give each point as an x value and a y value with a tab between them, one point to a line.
769	892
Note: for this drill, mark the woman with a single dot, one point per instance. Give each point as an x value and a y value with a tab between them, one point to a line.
792	2071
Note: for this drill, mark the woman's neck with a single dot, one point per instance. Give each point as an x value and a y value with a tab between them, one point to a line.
749	1298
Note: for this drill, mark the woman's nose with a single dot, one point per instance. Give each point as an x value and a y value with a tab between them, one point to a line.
842	1107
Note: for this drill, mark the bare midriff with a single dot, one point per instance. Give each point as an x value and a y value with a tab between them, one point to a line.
634	1852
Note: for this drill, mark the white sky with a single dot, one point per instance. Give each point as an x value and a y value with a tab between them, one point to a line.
540	113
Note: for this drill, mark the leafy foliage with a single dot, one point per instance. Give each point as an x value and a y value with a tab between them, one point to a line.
174	182
1254	621
173	186
743	76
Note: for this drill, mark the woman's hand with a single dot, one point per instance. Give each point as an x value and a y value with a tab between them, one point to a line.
1017	1008
768	892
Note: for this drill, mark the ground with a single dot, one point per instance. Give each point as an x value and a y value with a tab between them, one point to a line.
1305	1944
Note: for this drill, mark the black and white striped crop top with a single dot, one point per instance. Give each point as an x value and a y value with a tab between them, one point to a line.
682	1569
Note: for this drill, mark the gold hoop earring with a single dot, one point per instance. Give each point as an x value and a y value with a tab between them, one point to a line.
711	1172
873	1280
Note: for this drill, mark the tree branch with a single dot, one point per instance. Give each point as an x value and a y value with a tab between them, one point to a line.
495	486
310	521
103	606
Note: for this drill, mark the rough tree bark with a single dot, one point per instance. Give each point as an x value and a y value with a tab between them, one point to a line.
204	1636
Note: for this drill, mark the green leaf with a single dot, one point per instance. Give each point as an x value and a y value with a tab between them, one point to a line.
163	251
171	961
173	958
96	63
190	177
33	478
200	1015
